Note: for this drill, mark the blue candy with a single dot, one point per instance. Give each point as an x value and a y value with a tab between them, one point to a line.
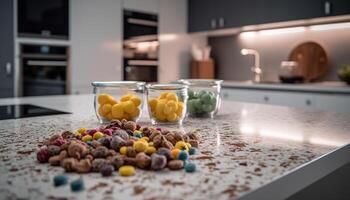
59	180
190	167
183	155
192	151
77	185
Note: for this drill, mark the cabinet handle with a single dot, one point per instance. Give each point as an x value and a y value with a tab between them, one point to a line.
221	22
308	102
8	68
213	23
266	98
327	8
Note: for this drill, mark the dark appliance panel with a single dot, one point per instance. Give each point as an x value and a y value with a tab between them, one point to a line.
44	70
43	18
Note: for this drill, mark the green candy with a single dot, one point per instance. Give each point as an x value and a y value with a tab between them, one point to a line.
191	94
207	108
206	98
190	106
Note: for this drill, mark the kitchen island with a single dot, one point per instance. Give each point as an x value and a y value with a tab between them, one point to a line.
243	151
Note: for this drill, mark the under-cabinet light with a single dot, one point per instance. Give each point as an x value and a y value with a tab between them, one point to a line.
282	31
326	27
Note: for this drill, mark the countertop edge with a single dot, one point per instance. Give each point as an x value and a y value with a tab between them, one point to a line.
290	87
301	177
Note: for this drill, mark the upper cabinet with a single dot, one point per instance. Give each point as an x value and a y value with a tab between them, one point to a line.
207	15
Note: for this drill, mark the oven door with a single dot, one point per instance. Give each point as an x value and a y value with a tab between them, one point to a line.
141	70
139	25
43	77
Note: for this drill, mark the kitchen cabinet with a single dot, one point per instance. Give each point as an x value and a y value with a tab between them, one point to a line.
317	101
209	14
6	49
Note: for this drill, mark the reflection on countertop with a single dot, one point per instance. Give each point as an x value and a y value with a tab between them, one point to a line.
243	148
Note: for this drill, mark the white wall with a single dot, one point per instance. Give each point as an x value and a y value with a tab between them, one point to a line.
96	35
175	42
150	6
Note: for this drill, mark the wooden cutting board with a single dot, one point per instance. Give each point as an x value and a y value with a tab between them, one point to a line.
312	60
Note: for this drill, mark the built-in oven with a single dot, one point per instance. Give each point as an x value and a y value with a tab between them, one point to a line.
140	46
44	70
141	70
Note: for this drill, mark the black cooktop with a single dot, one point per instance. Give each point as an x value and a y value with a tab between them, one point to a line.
26	110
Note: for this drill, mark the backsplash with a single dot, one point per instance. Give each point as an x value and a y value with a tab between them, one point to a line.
231	65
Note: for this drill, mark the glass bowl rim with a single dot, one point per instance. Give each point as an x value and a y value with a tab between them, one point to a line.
129	84
166	86
201	82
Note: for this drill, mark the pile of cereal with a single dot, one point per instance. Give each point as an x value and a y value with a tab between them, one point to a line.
121	145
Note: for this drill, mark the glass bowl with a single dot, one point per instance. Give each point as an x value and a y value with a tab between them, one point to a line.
118	100
204	98
167	103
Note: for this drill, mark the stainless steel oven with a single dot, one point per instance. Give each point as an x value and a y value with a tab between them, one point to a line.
140	46
44	70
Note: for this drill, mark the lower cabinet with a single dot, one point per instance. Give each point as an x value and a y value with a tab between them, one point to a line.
317	101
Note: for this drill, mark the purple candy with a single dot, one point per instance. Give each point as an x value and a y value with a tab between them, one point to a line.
92	131
59	141
107	131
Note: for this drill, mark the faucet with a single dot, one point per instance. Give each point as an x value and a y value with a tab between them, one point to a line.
256	69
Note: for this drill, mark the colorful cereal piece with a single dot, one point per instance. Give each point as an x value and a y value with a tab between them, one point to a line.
86	138
126	170
77	185
190	167
183	155
59	180
97	135
192	151
140	146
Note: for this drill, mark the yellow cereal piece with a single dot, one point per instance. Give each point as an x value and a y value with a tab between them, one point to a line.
181	145
171	96
140	146
168	110
103	98
100	111
180	108
160	116
97	135
106	108
145	138
112	101
82	130
126	170
109	116
188	145
160	107
172	104
171	117
129	107
86	138
136	132
123	150
77	134
163	95
127	116
150	150
151	144
118	111
174	153
126	97
152	103
136	113
136	100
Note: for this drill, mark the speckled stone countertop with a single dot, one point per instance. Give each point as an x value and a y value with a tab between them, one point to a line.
243	148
